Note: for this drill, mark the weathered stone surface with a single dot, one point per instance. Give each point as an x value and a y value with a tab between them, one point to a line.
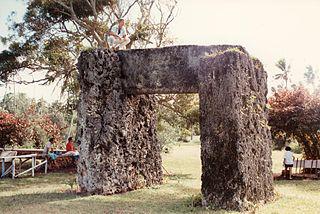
119	150
235	140
165	70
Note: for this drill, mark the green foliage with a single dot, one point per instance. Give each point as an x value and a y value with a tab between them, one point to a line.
285	70
54	32
184	135
312	77
167	134
9	62
180	111
56	10
229	50
196	200
15	104
295	147
71	182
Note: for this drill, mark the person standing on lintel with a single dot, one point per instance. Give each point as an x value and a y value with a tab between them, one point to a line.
288	162
117	36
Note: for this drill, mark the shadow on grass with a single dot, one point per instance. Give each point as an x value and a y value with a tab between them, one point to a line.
303	185
34	198
178	176
8	184
162	200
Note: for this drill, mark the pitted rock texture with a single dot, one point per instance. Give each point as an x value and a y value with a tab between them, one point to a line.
119	150
235	139
165	70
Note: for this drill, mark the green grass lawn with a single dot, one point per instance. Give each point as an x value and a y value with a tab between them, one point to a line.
51	193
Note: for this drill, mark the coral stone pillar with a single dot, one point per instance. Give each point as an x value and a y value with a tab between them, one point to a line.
235	139
119	150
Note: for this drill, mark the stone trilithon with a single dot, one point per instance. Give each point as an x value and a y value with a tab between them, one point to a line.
119	150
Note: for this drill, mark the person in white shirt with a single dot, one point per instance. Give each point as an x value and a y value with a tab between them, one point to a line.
117	36
48	146
288	162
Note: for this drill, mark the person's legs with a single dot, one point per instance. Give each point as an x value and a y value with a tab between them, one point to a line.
123	43
111	41
290	173
286	172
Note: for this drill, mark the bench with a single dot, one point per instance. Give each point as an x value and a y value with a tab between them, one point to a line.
10	156
7	154
298	165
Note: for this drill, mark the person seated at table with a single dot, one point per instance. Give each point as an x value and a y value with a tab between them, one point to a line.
48	149
71	150
70	146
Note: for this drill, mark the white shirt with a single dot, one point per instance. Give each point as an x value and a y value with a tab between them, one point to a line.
123	32
47	148
288	156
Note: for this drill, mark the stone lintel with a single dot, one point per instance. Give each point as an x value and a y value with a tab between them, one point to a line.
168	70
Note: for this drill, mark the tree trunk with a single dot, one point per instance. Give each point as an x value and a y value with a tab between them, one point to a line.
192	133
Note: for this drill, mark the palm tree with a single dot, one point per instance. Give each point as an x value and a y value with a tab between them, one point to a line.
311	76
285	69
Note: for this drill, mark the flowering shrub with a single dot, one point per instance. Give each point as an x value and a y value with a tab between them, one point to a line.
29	129
296	114
12	130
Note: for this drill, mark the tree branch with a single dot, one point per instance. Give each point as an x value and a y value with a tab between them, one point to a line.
129	8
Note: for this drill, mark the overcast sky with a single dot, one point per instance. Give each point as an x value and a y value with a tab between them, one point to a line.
268	29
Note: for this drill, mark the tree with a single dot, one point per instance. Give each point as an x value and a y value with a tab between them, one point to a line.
15	104
296	114
312	77
285	70
54	32
41	127
180	111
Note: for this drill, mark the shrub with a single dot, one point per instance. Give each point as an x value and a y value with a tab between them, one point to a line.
296	113
196	200
184	135
12	130
295	147
167	135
